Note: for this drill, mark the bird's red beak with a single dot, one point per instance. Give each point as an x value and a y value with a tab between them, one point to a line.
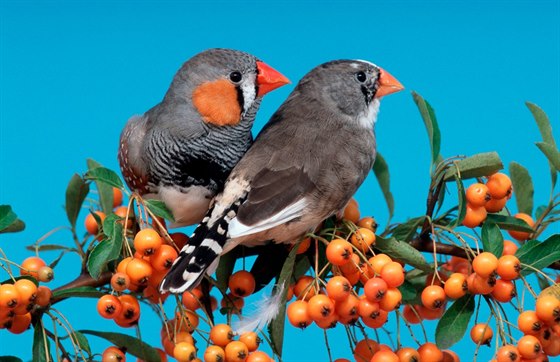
387	84
269	79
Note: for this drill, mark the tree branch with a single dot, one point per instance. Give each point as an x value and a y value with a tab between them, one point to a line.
84	280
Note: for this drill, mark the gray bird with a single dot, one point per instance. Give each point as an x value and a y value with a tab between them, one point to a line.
304	166
182	150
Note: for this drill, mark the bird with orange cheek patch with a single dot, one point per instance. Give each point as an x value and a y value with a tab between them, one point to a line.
182	150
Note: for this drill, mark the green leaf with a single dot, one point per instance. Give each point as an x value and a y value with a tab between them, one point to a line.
76	193
546	132
481	164
543	282
429	118
402	251
224	270
523	186
7	216
539	255
552	153
462	202
14	227
542	122
55	262
381	171
411	292
40	348
492	239
133	345
276	327
509	223
106	251
82	342
79	292
10	359
49	247
407	230
454	322
159	209
105	180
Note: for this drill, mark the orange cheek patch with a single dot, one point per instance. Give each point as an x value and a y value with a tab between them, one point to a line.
217	103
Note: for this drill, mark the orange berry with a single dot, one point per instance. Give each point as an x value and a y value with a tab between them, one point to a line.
109	306
509	267
362	239
259	356
352	211
147	241
9	296
303	246
368	309
113	354
298	314
375	289
221	334
477	194
521	235
378	262
480	285
45	274
365	349
139	271
339	252
391	300
31	266
393	274
510	248
529	347
305	287
407	354
242	283
385	356
251	340
411	314
91	224
496	205
180	239
214	354
44	295
320	307
117	197
27	291
499	185
191	299
347	309
121	266
548	309
120	282
430	352
130	309
329	322
338	288
474	216
236	352
504	291
485	264
368	223
482	334
184	352
508	353
163	257
450	356
20	323
430	314
529	323
456	286
433	297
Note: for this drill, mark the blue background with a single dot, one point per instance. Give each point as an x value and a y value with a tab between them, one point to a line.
72	73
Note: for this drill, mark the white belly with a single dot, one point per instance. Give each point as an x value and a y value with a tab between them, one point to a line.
188	207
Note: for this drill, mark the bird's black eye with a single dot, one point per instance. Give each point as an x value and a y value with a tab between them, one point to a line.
235	77
361	77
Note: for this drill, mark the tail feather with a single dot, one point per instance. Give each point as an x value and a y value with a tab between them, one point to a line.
200	255
266	310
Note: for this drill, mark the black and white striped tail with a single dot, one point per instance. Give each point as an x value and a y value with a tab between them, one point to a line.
200	255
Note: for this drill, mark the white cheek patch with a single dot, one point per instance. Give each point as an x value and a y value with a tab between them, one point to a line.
249	93
369	117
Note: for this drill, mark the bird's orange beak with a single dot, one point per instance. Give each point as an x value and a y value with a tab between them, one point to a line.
269	79
387	84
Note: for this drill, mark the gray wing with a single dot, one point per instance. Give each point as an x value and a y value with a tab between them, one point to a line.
132	166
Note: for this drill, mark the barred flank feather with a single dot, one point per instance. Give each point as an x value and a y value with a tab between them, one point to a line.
267	309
